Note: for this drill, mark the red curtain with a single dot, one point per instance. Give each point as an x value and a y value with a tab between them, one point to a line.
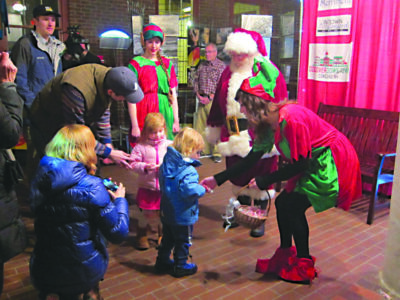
374	64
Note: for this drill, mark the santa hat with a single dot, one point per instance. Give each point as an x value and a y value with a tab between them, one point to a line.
263	83
152	30
245	41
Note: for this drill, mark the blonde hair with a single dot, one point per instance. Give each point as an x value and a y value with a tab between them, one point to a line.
152	123
187	141
75	143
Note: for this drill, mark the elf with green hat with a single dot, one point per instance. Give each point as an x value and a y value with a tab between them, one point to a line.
157	78
322	170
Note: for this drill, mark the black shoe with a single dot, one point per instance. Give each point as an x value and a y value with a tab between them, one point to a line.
258	232
185	270
233	223
164	266
216	159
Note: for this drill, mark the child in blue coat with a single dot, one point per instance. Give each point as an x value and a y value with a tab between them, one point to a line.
180	189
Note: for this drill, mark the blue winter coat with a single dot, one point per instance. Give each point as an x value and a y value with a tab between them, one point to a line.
35	67
180	189
73	213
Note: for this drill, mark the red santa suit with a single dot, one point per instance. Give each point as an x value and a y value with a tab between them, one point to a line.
236	146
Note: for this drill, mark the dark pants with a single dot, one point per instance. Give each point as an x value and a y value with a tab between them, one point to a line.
177	238
292	222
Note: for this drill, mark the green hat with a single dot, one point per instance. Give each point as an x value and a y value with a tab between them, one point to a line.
263	83
152	30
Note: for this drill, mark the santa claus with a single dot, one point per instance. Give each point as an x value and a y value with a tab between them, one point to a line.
228	128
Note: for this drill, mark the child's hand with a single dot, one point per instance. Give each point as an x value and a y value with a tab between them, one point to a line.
119	193
208	190
151	168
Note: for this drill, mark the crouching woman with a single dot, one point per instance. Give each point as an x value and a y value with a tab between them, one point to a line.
74	214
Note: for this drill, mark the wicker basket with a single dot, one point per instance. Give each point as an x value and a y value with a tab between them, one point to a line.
250	216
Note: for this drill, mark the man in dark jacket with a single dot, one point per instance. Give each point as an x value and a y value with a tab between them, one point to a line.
38	54
83	95
12	230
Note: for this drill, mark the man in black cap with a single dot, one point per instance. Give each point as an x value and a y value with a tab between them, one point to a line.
83	95
38	54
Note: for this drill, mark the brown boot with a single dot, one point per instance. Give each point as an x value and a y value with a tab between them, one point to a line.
142	243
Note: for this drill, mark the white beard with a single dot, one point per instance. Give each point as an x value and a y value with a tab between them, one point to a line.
232	106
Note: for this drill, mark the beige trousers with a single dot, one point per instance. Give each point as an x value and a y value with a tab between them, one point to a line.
200	124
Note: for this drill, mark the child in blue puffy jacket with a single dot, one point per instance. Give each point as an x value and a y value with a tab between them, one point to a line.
180	191
74	214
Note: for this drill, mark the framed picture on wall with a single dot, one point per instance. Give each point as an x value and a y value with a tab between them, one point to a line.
168	23
259	23
222	35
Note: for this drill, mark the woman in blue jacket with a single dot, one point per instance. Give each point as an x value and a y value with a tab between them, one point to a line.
73	214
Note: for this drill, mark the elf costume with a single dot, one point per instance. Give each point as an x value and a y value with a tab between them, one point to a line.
322	171
154	83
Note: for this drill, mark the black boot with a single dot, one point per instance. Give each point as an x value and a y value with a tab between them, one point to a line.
259	231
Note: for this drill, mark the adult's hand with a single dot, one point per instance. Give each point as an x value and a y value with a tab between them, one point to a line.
135	132
253	184
176	127
119	193
209	182
203	100
8	71
121	158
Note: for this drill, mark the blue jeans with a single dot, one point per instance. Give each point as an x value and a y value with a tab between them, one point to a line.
177	238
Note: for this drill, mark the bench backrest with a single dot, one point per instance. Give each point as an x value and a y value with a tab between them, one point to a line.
370	131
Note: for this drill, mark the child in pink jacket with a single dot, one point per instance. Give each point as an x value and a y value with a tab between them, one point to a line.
148	155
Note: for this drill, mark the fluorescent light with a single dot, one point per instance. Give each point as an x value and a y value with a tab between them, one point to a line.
17	6
114	33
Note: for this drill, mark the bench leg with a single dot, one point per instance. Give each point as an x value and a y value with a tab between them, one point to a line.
372	203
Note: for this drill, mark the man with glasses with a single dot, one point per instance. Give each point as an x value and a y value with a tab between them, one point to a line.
205	83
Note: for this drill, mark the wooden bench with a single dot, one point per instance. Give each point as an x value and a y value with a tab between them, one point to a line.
373	134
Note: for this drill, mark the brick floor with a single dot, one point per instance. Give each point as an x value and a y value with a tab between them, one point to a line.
349	256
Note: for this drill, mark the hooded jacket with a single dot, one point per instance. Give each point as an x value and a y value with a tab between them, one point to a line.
180	189
73	213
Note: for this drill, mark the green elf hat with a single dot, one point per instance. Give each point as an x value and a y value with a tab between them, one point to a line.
152	30
263	83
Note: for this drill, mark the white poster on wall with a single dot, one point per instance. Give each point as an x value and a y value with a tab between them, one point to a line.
334	4
168	23
259	23
329	62
333	25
